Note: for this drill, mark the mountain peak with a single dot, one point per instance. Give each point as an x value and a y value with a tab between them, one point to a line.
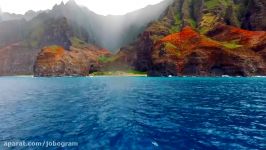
58	5
62	3
71	2
29	12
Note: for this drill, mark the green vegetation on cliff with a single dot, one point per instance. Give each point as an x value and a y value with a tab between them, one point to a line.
76	42
213	4
119	73
177	25
231	45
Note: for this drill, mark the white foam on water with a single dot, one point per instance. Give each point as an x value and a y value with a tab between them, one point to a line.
155	143
25	76
259	76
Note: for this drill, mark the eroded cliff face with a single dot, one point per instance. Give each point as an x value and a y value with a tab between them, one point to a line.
225	50
17	59
56	61
232	56
21	42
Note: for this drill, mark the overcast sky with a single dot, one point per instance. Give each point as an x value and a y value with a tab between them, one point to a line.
104	7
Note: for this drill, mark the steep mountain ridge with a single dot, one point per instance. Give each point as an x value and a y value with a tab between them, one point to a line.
66	25
19	55
4	16
110	32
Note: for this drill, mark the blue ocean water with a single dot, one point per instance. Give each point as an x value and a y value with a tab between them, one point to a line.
135	112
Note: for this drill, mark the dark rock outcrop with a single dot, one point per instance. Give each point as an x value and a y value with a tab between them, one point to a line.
255	17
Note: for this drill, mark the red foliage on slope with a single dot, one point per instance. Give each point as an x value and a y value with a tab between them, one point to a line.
188	39
225	50
56	61
54	52
228	33
187	34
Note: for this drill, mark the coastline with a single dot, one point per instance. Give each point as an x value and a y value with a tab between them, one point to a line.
128	75
118	75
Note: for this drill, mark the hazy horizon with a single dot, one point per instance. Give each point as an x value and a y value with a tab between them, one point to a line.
101	7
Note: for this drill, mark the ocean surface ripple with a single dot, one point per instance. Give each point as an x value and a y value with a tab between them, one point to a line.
135	112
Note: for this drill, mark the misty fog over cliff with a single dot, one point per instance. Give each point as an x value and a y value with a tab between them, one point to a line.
110	32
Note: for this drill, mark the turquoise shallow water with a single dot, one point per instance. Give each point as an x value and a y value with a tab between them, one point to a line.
135	112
